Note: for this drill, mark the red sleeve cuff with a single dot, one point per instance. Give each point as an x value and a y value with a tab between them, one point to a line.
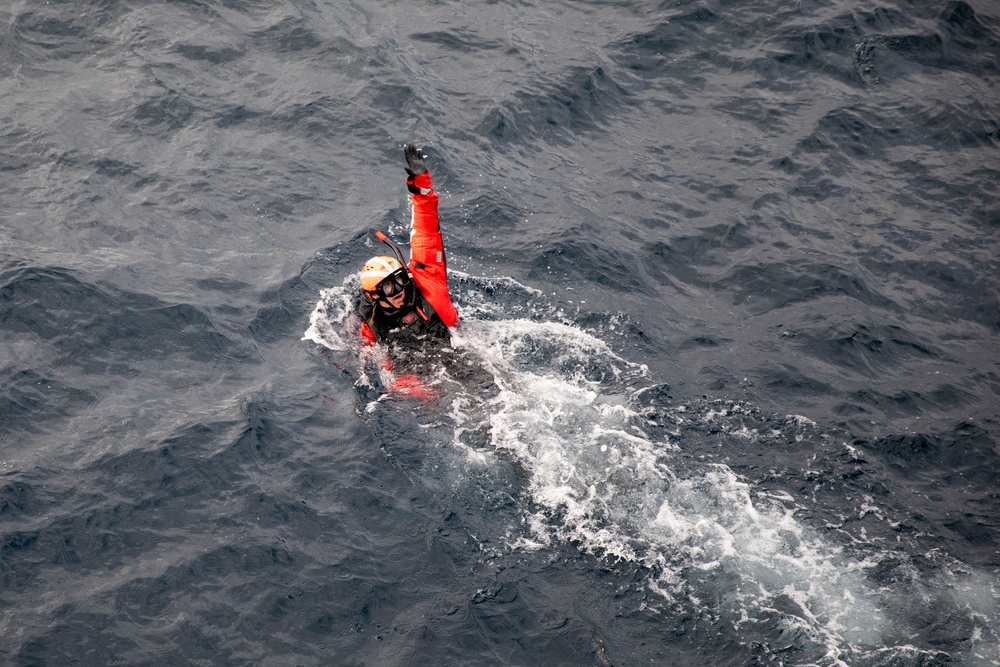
422	181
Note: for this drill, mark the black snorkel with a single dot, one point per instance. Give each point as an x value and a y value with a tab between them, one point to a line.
395	248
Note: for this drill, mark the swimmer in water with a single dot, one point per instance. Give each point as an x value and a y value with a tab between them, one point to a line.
402	302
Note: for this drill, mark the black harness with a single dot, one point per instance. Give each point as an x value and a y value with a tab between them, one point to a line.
415	320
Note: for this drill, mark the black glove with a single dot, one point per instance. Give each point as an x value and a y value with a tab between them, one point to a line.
416	170
414	160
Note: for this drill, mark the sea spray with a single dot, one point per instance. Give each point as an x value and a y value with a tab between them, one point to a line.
603	465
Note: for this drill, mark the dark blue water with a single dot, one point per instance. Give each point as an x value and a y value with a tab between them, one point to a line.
726	391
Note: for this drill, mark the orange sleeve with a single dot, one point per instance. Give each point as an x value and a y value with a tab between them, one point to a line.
427	259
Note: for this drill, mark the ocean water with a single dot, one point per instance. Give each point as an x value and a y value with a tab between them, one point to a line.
726	389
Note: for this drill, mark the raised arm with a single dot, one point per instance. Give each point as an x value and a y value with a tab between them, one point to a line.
427	259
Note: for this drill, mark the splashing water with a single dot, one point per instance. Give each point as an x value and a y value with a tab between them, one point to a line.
600	481
610	476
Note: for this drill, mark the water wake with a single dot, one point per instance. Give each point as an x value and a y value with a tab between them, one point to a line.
605	468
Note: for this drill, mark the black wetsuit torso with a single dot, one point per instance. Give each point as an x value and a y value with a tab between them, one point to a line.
418	341
414	322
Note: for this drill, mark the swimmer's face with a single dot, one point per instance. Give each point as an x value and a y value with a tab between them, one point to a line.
397	300
392	289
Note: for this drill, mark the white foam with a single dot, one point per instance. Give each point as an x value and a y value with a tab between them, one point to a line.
805	421
604	485
326	322
505	282
596	479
